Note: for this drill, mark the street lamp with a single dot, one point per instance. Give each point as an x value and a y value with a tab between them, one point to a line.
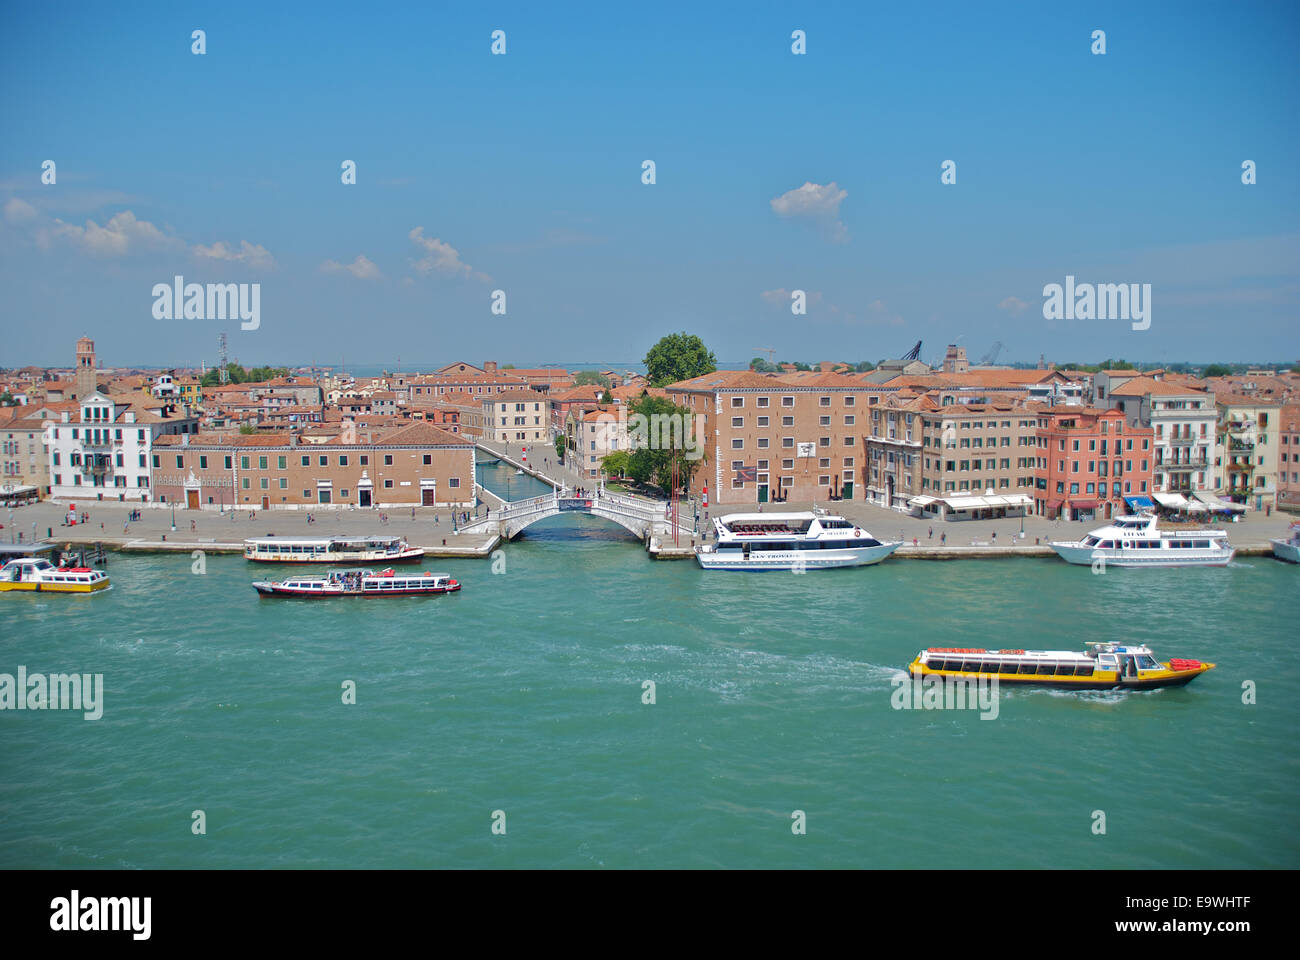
173	515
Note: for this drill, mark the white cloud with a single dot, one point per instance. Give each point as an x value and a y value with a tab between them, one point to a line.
16	211
440	257
883	314
1013	305
122	234
816	203
252	254
779	297
362	268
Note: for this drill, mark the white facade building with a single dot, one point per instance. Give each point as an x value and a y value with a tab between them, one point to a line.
102	452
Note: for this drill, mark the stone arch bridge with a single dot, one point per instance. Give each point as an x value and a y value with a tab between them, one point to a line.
643	518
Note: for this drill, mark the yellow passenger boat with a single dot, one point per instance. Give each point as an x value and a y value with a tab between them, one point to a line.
1104	666
38	574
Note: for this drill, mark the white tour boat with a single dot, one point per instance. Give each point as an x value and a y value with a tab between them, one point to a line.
38	574
359	583
1289	548
790	541
334	550
1137	542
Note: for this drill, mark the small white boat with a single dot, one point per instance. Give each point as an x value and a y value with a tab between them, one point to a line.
519	471
1288	549
331	550
1138	542
359	583
790	541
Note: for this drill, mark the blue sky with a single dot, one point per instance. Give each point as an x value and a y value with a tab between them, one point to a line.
523	173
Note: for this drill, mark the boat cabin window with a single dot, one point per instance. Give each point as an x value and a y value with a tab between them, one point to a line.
1147	662
1028	668
1084	670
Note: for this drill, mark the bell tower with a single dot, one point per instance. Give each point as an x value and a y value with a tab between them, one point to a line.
85	377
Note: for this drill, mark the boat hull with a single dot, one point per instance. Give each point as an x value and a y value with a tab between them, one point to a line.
1163	678
1087	556
35	587
275	590
1286	550
336	559
788	560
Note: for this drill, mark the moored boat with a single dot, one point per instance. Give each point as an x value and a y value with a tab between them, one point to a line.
1137	541
790	541
38	574
1103	666
332	550
1288	549
359	583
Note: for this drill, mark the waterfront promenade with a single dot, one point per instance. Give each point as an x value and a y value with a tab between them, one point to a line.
432	528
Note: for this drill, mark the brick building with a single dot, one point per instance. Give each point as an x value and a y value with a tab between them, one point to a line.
1089	460
415	465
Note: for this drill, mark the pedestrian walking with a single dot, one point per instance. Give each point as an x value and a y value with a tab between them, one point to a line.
995	536
930	535
943	538
193	528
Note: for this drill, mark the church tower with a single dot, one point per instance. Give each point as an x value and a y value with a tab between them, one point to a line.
86	373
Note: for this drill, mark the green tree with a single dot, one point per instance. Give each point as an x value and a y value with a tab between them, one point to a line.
616	464
1217	370
866	366
561	444
759	365
7	399
607	397
678	356
507	366
589	378
247	428
655	448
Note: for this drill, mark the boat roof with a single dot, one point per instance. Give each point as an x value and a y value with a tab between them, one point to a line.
1124	648
324	541
774	517
12	551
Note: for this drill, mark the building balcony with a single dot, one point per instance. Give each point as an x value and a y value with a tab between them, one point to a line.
1241	467
1241	445
1180	441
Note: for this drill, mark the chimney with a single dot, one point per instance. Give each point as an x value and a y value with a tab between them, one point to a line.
489	366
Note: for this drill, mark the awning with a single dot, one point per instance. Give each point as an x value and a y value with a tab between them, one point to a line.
1139	503
965	503
1195	506
1084	504
1172	500
1217	505
1053	504
921	501
1018	500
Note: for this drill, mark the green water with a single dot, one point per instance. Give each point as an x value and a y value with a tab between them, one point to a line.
523	693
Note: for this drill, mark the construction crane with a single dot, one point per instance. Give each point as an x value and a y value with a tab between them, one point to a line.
770	351
992	356
912	354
